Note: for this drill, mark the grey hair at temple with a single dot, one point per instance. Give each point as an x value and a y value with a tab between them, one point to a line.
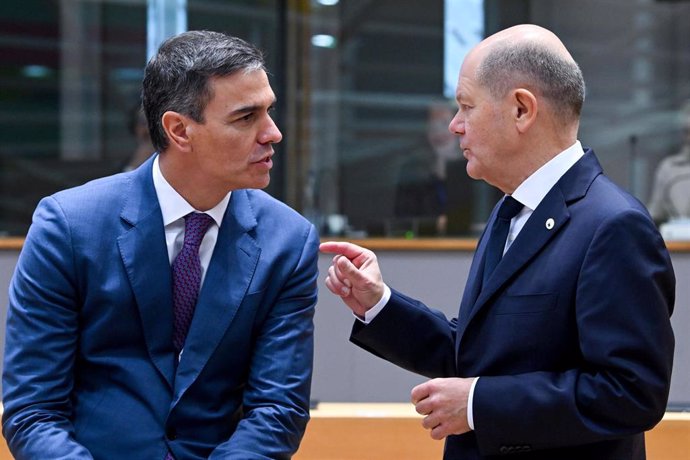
536	68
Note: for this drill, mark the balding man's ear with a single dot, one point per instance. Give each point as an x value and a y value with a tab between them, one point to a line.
525	108
175	126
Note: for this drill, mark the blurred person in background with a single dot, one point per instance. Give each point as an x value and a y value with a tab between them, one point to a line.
670	198
139	129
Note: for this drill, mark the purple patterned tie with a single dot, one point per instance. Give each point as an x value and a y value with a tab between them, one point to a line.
187	276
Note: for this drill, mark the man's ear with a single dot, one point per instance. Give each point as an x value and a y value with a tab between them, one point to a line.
525	108
176	127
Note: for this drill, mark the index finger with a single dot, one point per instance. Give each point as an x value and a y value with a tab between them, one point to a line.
349	250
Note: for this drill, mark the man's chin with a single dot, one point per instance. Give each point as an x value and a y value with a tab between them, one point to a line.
472	172
261	183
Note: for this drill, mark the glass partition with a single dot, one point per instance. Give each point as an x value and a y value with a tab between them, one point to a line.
361	100
379	161
71	73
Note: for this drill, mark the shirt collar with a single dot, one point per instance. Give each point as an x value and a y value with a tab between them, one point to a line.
533	190
174	206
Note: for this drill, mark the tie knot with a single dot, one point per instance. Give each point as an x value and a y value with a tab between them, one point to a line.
195	226
509	208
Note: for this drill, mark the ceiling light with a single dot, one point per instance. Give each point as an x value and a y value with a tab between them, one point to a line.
323	41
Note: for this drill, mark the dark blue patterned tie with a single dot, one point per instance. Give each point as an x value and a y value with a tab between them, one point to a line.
510	207
187	276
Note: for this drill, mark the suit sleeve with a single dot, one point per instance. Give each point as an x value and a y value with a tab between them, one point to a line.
41	343
422	341
276	398
624	298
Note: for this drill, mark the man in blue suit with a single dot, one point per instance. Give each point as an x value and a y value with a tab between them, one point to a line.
91	366
564	349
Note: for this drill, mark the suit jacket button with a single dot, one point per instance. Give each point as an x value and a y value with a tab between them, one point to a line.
171	434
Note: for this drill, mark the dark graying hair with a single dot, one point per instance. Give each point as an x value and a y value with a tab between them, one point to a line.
537	68
177	77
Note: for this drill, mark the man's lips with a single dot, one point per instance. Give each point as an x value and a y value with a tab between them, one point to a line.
264	158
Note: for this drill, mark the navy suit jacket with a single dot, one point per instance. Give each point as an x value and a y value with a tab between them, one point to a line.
89	364
571	335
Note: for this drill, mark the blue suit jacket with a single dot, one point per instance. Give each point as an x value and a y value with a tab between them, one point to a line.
89	363
571	336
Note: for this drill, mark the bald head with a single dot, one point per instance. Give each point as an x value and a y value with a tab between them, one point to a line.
531	57
526	33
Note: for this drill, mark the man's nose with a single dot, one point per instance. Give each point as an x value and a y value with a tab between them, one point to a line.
270	134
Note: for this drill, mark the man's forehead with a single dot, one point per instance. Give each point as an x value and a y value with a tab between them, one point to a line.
250	88
465	82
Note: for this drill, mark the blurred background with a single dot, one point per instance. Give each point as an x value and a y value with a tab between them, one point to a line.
365	91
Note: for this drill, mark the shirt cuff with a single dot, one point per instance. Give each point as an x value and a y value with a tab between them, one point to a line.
470	399
370	314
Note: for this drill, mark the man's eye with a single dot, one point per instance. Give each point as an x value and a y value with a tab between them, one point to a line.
247	117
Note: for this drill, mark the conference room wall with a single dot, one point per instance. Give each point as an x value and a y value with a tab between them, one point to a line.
345	373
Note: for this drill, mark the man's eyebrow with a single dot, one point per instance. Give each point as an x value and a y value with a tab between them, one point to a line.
251	108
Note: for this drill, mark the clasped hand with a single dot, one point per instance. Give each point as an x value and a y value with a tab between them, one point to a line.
444	404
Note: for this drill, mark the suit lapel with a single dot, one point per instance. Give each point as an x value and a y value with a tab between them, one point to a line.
532	238
227	281
145	257
544	223
474	278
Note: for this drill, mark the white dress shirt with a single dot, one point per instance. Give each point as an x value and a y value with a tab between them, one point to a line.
174	208
530	193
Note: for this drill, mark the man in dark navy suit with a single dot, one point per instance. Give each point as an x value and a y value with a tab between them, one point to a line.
563	346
